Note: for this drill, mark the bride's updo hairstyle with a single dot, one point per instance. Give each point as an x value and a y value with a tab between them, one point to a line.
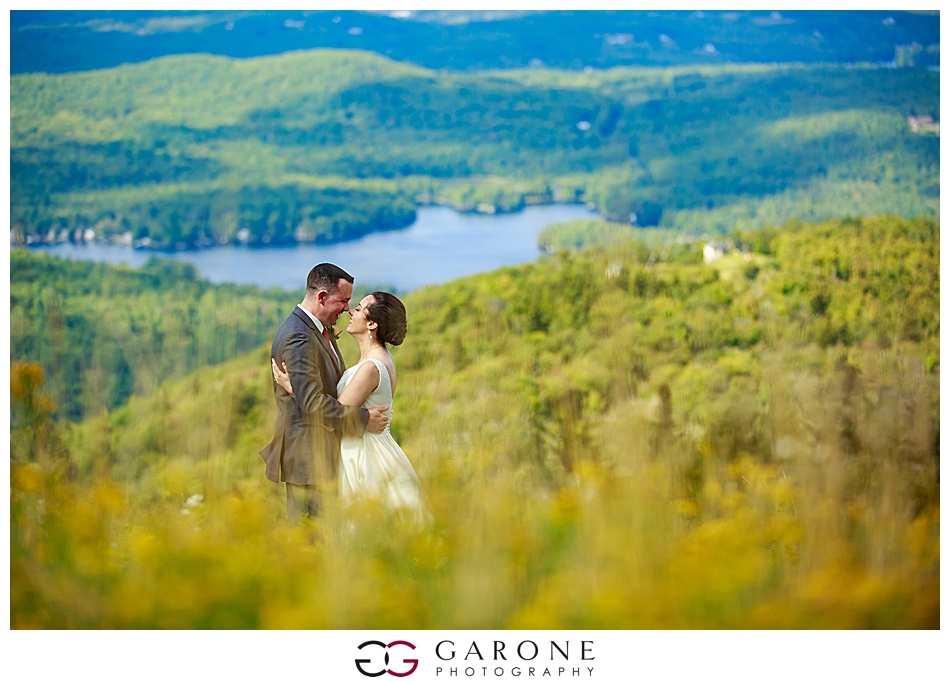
390	316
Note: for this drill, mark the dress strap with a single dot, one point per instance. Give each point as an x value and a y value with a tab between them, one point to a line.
383	371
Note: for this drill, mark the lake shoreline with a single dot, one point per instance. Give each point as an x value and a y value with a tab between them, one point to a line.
80	238
441	245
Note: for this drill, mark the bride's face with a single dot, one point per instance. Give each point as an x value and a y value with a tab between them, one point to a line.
358	320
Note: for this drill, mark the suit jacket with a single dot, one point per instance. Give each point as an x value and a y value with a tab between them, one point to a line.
305	449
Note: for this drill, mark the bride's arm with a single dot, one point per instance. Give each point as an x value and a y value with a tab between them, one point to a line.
357	390
361	386
281	378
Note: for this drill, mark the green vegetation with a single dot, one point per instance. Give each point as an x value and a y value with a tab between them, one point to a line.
619	437
104	333
576	234
324	145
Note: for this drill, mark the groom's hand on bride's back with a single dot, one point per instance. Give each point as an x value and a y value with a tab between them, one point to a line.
378	419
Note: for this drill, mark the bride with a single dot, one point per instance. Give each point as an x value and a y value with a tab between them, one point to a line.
373	465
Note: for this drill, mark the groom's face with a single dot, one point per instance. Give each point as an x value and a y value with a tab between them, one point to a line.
337	303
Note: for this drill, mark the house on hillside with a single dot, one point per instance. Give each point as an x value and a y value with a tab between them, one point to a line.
923	125
713	250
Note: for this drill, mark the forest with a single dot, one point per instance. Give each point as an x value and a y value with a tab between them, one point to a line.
198	150
103	333
763	428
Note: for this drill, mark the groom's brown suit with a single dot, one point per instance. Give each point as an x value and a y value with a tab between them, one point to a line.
306	445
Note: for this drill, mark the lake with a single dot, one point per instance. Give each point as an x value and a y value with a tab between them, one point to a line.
441	245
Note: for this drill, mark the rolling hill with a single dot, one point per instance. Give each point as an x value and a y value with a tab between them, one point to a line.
196	150
762	430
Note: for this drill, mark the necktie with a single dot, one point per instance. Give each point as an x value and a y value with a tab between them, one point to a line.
326	334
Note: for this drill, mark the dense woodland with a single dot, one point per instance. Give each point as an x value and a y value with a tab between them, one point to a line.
763	428
195	150
103	333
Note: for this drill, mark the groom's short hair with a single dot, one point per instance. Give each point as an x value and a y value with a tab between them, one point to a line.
326	277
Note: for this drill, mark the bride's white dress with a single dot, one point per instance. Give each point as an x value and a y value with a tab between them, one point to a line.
375	465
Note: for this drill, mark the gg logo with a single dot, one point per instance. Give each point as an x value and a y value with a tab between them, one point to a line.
386	669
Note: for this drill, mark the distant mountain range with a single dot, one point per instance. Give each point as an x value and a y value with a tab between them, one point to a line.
738	119
68	41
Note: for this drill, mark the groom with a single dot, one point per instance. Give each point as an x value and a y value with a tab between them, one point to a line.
305	450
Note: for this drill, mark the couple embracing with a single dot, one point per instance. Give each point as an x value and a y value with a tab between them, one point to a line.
332	427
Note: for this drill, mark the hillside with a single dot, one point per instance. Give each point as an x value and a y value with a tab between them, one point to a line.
762	430
66	41
104	333
191	151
